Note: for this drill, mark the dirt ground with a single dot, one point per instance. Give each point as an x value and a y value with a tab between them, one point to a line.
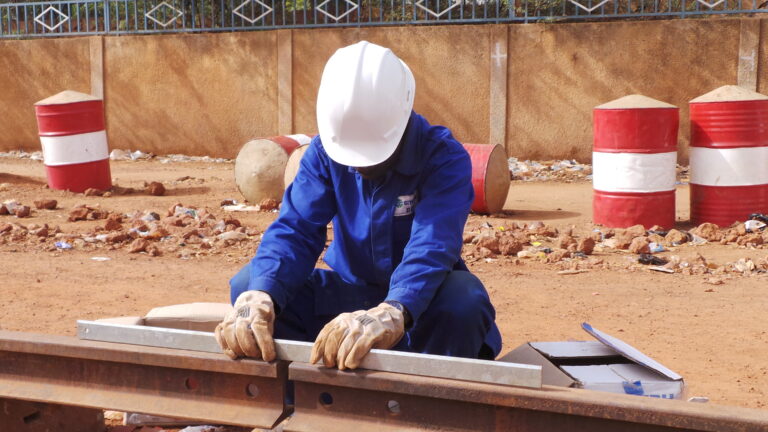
711	332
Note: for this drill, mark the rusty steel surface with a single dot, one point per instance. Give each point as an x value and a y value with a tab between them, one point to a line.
24	416
210	387
422	403
173	383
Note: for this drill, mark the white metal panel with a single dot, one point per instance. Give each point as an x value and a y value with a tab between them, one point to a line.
634	172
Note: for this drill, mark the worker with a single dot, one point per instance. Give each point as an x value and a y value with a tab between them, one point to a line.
398	191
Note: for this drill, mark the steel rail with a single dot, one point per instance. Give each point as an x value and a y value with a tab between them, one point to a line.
329	400
209	387
172	383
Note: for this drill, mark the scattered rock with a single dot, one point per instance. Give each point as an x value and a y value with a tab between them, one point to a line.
635	231
586	245
564	241
48	204
491	242
509	246
754	239
3	210
78	213
153	250
484	252
558	255
156	189
118	237
138	245
40	232
468	238
675	238
709	231
622	240
113	223
93	192
268	204
640	245
22	211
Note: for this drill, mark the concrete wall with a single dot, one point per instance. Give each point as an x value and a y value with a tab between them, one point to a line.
194	94
31	70
451	72
532	87
559	73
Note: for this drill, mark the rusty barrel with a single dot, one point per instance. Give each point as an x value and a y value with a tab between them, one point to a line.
728	155
634	162
490	177
74	141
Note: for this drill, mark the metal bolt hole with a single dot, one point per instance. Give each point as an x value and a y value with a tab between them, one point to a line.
191	384
326	399
252	390
393	406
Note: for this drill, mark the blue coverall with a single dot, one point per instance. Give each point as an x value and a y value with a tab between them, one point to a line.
397	238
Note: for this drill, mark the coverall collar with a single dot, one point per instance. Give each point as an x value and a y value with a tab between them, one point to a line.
409	161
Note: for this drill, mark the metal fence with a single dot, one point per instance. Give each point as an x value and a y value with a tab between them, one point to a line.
84	17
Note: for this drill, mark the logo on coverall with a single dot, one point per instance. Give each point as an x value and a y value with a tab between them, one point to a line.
405	204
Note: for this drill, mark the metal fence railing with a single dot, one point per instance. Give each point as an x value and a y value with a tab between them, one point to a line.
83	17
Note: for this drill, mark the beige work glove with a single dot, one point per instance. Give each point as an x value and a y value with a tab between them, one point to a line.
345	340
247	330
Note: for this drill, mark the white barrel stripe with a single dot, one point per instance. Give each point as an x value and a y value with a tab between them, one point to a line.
300	138
634	172
743	166
74	149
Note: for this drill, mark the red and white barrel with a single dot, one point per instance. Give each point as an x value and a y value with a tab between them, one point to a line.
728	155
490	177
74	141
289	143
633	162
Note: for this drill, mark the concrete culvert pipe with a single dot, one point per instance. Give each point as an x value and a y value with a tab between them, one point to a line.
292	167
260	166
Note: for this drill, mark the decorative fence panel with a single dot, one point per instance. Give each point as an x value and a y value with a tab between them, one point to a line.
84	17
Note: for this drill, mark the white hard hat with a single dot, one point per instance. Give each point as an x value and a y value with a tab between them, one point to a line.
364	103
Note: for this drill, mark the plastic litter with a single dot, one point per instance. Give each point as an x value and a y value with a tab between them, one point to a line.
203	429
97	258
696	240
566	169
656	247
118	154
241	208
180	211
649	259
754	225
760	217
138	154
661	269
62	245
150	217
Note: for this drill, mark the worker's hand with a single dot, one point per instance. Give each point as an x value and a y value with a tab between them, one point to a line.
247	330
344	341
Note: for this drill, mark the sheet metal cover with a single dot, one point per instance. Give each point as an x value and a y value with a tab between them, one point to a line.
630	352
574	349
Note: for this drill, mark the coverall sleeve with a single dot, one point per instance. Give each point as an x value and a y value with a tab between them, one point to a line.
291	245
436	234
